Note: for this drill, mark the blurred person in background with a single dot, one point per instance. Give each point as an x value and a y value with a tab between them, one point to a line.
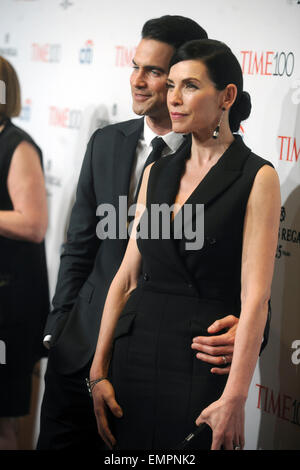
24	296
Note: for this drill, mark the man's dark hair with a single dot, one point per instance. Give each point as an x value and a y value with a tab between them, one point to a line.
174	30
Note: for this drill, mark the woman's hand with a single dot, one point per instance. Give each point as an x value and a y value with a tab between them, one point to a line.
226	418
103	398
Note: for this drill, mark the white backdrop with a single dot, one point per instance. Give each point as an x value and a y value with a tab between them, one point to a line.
73	59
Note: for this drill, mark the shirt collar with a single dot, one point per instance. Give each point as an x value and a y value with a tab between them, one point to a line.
172	139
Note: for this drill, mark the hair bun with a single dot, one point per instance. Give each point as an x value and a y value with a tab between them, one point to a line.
240	111
244	105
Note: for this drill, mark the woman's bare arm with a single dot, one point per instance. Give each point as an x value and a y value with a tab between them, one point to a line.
226	416
26	187
122	285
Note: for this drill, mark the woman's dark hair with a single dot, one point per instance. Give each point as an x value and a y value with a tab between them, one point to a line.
174	30
223	68
10	82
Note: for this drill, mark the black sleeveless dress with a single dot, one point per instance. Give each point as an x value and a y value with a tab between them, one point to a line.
24	296
160	385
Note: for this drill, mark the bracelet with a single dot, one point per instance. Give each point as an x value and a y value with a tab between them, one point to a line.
91	383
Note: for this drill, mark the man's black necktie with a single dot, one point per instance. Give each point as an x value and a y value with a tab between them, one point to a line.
158	145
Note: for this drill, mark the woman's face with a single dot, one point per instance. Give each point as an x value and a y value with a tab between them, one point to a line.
193	101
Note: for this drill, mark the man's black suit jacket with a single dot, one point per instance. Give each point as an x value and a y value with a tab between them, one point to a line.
89	264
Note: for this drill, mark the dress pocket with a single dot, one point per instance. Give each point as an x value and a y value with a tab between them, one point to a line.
124	324
119	362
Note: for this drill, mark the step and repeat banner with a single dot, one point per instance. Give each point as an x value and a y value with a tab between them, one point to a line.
74	59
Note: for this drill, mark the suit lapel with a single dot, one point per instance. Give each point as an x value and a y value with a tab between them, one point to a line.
124	154
170	178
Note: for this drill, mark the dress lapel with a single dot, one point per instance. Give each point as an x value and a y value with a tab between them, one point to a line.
163	191
221	176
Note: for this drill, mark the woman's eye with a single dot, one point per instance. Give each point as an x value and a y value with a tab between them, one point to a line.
169	85
191	85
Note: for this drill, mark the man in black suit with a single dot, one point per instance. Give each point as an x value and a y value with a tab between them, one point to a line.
112	167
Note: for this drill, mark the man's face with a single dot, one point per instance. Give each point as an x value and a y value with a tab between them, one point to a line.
148	79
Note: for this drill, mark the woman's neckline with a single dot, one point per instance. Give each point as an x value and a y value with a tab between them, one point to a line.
218	162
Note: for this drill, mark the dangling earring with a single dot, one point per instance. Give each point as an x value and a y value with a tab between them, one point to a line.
217	129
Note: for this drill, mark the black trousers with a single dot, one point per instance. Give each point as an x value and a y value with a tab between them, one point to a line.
67	418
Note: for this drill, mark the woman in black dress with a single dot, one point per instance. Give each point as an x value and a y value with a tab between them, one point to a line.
24	298
169	287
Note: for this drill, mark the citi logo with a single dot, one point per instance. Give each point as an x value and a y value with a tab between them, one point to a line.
124	56
86	53
49	53
288	149
65	117
268	63
26	111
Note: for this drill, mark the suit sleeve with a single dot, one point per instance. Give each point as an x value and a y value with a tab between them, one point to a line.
80	249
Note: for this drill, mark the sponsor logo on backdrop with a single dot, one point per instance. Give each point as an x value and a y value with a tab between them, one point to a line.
241	132
65	117
26	111
124	56
49	53
296	93
7	50
52	180
101	118
286	235
66	4
2	352
114	111
86	53
268	63
289	151
2	92
278	404
296	354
